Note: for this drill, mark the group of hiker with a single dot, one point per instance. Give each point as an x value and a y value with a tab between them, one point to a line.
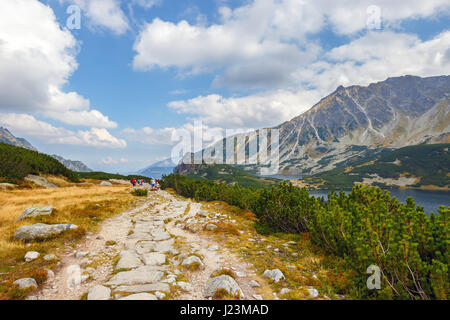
155	183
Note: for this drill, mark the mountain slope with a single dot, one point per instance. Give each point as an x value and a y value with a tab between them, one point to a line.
414	166
7	137
76	166
357	123
17	162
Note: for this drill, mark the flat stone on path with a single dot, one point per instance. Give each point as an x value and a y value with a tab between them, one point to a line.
191	260
128	260
140	296
144	288
154	259
160	235
141	275
99	293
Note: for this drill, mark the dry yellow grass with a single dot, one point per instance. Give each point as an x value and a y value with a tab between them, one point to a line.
85	205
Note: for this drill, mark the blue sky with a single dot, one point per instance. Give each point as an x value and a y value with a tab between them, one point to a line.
111	93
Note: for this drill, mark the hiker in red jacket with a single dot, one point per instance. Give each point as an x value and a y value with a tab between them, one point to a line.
133	182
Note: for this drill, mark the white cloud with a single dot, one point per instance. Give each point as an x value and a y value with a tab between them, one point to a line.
371	58
105	14
263	43
111	161
37	58
149	135
27	125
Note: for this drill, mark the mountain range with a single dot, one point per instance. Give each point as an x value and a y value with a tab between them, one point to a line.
358	122
158	169
7	137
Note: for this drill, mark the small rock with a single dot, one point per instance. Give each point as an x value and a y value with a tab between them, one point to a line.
81	254
160	295
191	260
185	286
213	248
99	293
276	275
222	282
26	283
284	291
50	274
211	227
106	184
258	297
33	298
254	284
313	292
31	255
50	257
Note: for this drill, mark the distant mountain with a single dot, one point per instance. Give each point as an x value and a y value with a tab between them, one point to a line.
357	123
7	137
76	166
158	169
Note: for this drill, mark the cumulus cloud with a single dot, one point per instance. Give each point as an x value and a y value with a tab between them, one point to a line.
27	125
371	58
263	43
36	61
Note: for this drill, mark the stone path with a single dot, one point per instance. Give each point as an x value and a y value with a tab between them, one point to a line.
146	254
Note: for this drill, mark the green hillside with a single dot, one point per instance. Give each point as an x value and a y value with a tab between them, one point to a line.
429	163
16	163
230	175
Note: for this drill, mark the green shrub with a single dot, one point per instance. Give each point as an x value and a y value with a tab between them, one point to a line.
366	227
139	192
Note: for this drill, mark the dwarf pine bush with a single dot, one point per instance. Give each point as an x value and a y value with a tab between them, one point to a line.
366	227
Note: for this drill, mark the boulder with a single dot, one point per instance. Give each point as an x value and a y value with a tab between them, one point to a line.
276	275
160	295
128	260
5	186
99	293
40	181
140	296
191	260
31	255
222	282
26	283
42	231
154	259
254	284
32	212
106	184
